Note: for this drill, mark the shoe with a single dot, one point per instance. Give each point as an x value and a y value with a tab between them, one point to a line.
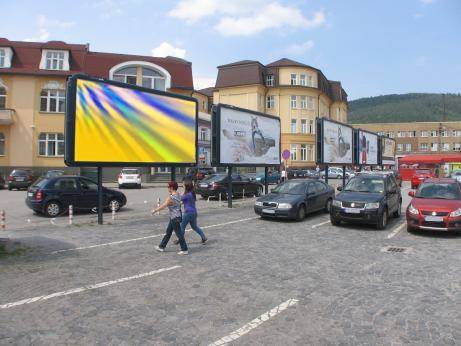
204	241
176	242
183	252
159	249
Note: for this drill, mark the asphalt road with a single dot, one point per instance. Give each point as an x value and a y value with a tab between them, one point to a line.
256	282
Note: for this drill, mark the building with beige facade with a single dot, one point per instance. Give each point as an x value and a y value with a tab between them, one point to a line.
420	137
293	91
32	95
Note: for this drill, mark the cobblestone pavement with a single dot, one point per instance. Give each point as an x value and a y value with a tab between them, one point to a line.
341	287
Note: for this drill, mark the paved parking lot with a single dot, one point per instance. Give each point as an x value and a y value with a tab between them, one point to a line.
256	282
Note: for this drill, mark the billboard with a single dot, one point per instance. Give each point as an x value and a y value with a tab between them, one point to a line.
367	148
387	151
245	138
114	124
335	142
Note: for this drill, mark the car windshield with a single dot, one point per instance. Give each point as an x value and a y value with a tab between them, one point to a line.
423	171
40	183
291	188
365	184
20	173
214	177
130	171
52	174
439	191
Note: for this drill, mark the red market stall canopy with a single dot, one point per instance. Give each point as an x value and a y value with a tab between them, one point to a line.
429	159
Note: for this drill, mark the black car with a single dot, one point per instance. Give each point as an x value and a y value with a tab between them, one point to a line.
52	196
20	179
216	185
367	198
293	199
2	183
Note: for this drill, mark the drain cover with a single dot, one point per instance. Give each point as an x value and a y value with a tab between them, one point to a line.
399	249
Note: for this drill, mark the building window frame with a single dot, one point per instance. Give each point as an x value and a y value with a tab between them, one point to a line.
304	126
51	144
303	152
311	103
270	101
293	79
3	95
423	146
456	133
311	127
311	149
303	102
294	102
390	134
146	64
399	147
204	134
52	101
434	147
424	133
401	134
294	126
2	57
2	144
294	152
408	147
270	80
204	105
434	133
303	80
444	133
445	146
456	146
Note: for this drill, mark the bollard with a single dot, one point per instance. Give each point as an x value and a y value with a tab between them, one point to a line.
113	212
208	200
219	199
158	205
243	197
3	220
71	213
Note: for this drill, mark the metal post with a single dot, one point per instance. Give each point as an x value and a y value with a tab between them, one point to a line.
266	183
326	174
173	173
71	214
113	212
158	205
3	220
229	187
100	197
344	176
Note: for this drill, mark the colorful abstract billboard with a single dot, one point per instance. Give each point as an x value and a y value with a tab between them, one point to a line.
114	124
245	138
335	142
367	147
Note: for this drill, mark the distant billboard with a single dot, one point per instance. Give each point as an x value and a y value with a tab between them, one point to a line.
387	151
367	148
245	138
334	142
115	124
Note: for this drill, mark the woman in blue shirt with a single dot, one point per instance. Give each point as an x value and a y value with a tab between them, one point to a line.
190	211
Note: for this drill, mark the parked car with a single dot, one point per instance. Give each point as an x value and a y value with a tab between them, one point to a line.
456	175
203	173
129	177
217	185
395	173
419	176
311	173
2	183
335	173
294	199
52	196
272	178
367	198
436	205
20	179
53	173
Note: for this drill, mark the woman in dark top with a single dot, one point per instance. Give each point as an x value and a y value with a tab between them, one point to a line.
190	211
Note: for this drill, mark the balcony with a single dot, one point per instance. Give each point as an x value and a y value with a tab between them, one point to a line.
6	116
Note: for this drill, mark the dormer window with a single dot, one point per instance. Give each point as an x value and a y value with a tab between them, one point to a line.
6	54
2	57
55	60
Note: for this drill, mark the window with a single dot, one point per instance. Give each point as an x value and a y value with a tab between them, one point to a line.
311	83
401	134
302	80
311	152
408	147
54	60
456	133
294	152
270	80
338	112
444	133
52	101
303	126
204	134
424	134
390	134
294	103
88	185
304	102
456	146
150	79
129	75
270	102
381	133
434	146
2	144
294	79
303	152
293	126
411	133
399	147
311	103
423	147
2	57
2	98
311	127
65	184
51	144
434	133
204	105
445	146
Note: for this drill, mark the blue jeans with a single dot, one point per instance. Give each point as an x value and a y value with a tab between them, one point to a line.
174	226
192	219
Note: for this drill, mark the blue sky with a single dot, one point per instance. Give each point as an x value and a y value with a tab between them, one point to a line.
374	47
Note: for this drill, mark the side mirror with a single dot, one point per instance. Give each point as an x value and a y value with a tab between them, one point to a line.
411	193
339	188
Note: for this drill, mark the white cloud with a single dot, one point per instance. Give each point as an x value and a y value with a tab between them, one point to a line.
299	48
167	49
246	18
45	25
204	82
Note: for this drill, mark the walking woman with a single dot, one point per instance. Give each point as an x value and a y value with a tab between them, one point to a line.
173	203
190	211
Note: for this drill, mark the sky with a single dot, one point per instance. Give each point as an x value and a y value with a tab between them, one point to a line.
374	47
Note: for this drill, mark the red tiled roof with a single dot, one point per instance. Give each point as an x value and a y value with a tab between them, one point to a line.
27	56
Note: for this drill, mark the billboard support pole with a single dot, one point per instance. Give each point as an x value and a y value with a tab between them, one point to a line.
173	173
229	186
344	176
100	196
326	174
266	183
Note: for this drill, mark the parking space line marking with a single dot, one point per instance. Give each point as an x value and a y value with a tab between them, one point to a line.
396	231
85	288
255	323
144	238
320	224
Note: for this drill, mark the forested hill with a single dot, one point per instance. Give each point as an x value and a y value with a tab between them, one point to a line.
404	108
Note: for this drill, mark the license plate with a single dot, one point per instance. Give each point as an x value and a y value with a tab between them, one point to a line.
130	178
30	194
20	179
268	211
203	185
352	210
434	218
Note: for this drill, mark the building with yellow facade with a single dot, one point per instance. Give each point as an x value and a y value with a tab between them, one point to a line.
295	92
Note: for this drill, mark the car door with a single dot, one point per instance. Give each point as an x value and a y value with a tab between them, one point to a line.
67	191
312	197
322	191
393	197
88	194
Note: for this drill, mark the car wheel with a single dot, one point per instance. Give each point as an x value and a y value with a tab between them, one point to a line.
114	204
301	214
139	186
398	212
259	191
53	209
334	222
328	205
382	220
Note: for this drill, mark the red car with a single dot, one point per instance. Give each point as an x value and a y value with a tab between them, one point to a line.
419	176
436	206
